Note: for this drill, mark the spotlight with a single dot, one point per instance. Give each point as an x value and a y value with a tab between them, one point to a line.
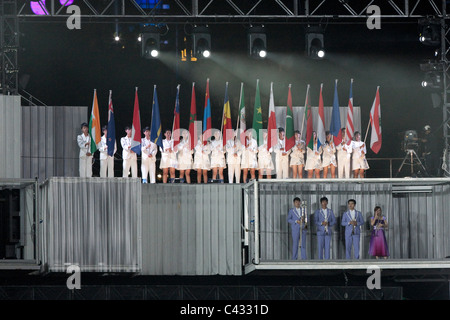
116	37
256	40
432	80
201	42
150	43
139	38
315	43
430	31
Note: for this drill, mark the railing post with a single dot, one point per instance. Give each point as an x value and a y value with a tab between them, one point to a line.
256	217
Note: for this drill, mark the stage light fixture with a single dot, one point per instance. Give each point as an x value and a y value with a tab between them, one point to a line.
432	80
201	42
257	42
150	43
315	47
430	31
116	37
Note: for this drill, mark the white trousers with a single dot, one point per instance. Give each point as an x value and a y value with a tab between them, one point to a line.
107	166
86	167
127	164
282	167
148	167
234	170
344	168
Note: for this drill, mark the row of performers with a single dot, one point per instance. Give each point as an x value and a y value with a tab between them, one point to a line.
236	157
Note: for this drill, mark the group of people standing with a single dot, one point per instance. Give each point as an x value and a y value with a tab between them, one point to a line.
237	155
325	219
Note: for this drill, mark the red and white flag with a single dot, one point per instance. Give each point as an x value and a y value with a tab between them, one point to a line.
349	124
375	122
272	132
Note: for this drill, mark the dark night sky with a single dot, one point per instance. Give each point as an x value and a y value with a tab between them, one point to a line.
65	66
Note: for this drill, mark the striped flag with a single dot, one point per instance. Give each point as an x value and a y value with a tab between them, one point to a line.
193	119
155	130
227	133
242	125
207	116
176	120
375	122
111	134
136	127
335	127
309	122
321	138
94	125
290	136
272	137
350	129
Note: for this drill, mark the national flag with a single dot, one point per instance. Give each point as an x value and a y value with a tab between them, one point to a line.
272	137
176	120
257	114
309	123
156	129
207	115
136	127
95	131
111	134
193	119
321	137
335	127
290	135
226	125
242	123
350	129
375	122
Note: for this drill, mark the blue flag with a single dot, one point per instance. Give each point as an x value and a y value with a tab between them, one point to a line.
111	135
155	130
335	126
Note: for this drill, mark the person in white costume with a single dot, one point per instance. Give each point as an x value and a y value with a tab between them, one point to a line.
265	163
344	156
298	156
185	157
129	156
217	156
329	156
313	162
202	163
249	160
282	156
106	161
359	162
168	158
234	152
84	143
148	159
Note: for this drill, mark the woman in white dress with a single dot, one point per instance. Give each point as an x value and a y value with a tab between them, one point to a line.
329	156
313	162
298	156
168	158
265	163
201	160
249	160
185	157
217	156
359	162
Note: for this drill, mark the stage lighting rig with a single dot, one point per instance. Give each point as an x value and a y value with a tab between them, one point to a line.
315	47
150	43
430	31
257	42
201	42
433	74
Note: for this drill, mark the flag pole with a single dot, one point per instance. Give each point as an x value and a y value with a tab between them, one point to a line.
306	101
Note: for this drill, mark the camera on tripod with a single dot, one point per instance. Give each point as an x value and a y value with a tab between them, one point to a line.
410	141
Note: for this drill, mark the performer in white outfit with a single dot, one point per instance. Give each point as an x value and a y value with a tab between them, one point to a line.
329	156
359	162
234	152
202	163
344	155
217	156
84	143
148	161
185	157
168	158
106	161
129	156
313	162
282	156
265	163
298	156
249	159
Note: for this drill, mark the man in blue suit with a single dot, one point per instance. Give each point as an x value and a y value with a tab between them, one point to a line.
352	221
324	219
298	221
